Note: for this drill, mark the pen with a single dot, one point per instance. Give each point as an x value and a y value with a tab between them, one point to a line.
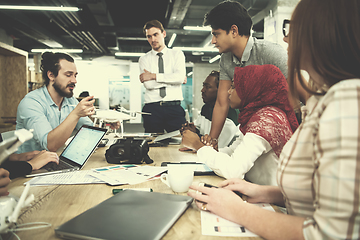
115	191
210	186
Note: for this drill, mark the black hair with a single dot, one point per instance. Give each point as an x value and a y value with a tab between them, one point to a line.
228	13
50	62
215	74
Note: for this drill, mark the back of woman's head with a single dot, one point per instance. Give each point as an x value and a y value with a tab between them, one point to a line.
328	32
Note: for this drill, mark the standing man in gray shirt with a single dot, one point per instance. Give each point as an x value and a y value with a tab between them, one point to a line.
231	25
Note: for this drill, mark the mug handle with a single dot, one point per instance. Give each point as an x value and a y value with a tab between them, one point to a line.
164	179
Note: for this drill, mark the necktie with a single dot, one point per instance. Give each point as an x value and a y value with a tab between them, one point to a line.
161	62
161	70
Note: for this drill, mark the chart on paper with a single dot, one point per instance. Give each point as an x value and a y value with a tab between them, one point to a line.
214	225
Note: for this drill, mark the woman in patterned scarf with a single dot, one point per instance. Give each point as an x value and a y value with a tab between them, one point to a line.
267	122
319	167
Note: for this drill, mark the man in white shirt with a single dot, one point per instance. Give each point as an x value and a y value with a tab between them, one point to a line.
162	73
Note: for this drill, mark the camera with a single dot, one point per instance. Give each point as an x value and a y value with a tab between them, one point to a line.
128	151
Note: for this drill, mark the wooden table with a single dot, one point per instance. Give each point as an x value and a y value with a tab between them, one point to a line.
59	203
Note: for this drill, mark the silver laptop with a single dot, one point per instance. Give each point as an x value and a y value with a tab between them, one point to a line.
127	215
76	153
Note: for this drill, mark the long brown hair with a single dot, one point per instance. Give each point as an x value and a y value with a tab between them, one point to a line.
329	31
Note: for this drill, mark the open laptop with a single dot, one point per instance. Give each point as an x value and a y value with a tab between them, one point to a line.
76	153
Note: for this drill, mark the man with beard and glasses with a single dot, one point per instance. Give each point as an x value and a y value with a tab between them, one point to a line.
162	73
52	111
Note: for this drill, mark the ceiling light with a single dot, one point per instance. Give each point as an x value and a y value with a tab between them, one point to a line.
197	53
172	39
189	74
41	8
132	38
128	54
51	43
197	49
198	28
57	50
214	59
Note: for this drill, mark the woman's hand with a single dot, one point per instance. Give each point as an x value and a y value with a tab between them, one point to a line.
209	141
252	193
43	158
185	149
4	181
191	140
219	201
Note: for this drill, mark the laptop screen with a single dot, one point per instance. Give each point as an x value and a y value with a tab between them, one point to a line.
83	144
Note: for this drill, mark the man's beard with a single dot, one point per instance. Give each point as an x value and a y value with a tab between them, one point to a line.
156	47
61	91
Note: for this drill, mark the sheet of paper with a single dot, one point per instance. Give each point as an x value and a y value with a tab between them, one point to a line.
75	177
167	135
144	135
214	225
127	174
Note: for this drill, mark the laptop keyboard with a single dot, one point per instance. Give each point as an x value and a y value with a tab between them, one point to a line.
51	166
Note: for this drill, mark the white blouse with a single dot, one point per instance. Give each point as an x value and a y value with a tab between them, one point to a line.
250	157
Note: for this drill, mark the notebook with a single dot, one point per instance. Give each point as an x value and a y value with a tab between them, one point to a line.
127	215
76	153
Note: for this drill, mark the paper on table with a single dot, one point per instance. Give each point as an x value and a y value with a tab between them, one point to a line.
214	225
75	177
166	135
144	135
126	174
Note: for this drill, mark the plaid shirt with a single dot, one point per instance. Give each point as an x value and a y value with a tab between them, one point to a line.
319	169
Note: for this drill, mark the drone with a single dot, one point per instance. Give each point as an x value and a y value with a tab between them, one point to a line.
111	116
9	207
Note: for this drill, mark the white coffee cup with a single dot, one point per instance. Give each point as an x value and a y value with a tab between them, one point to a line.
179	177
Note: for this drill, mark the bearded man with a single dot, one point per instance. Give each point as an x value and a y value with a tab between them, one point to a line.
52	111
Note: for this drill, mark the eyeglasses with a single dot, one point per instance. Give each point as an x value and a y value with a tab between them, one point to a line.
286	27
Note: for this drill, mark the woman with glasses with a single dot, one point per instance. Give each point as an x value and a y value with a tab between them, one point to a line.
318	174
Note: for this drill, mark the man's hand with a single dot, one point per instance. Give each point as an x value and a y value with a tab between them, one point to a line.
147	76
115	125
85	107
188	126
23	156
4	181
43	158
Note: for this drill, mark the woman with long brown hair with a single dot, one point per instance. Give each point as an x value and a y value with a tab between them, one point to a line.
318	174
